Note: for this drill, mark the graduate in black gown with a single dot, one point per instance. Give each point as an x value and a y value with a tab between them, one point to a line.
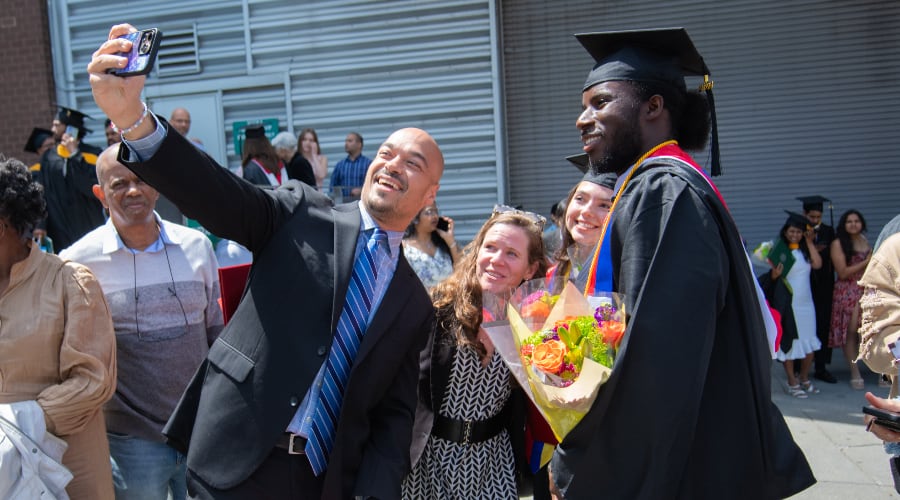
68	174
687	412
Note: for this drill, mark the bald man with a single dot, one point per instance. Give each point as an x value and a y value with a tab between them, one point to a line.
254	421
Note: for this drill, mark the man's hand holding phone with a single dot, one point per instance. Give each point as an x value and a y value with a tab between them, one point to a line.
119	98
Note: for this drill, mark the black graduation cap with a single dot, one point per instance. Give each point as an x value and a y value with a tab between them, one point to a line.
582	161
37	137
73	117
797	220
255	131
661	56
814	202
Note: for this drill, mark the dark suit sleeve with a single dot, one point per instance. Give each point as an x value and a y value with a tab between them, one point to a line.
220	201
386	460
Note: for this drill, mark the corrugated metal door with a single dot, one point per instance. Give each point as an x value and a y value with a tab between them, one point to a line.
804	93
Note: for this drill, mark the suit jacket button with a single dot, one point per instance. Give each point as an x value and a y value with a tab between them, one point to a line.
322	350
294	401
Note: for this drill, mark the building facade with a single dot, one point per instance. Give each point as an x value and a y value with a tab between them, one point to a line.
803	89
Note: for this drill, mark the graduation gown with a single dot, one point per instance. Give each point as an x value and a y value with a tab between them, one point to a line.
687	412
72	208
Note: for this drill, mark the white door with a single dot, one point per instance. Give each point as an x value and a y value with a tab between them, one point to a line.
207	120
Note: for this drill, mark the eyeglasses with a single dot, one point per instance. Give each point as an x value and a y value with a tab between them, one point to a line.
538	219
430	211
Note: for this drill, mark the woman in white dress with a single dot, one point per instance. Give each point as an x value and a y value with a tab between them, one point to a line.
799	237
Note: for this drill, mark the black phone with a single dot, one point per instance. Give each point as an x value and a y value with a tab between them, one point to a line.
145	45
884	418
443	224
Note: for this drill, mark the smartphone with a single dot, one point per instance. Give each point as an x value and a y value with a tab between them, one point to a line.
72	131
895	350
145	45
443	224
884	418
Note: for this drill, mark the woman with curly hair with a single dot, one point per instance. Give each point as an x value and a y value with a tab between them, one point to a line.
850	254
461	445
57	345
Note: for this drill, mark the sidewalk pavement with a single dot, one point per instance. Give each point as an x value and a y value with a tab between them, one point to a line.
848	462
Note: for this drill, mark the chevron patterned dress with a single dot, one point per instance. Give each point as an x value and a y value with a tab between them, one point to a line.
485	470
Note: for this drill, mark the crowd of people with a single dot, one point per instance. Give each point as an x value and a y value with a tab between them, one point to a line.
357	364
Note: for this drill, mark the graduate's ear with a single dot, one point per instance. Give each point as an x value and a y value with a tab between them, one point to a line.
655	106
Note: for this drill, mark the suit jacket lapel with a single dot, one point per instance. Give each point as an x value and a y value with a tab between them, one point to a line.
394	300
346	231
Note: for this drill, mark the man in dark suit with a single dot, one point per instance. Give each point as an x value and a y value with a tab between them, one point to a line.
244	417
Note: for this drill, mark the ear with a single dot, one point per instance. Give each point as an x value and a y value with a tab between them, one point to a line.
98	193
430	196
531	270
655	106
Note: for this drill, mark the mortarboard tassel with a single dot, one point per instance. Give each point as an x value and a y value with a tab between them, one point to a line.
715	168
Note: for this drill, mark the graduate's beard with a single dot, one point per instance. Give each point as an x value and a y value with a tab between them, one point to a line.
624	150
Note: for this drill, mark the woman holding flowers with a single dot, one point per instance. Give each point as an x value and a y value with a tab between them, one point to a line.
461	447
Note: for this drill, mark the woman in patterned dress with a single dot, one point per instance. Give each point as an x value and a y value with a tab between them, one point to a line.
430	251
461	447
850	253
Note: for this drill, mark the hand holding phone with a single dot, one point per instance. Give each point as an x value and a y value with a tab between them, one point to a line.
884	418
443	224
142	56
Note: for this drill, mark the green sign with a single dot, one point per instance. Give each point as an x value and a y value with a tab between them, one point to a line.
270	125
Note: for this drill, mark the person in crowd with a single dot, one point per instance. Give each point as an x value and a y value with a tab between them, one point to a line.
822	282
57	345
350	172
180	119
792	297
671	231
160	280
553	232
68	175
308	144
39	142
430	249
297	167
880	306
587	207
850	253
112	134
260	163
279	409
465	384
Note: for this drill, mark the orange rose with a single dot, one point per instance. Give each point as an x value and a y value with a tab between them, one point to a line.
548	356
538	310
612	332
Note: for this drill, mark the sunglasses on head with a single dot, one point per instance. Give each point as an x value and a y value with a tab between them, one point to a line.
533	217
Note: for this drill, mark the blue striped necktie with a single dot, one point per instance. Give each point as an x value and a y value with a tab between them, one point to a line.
351	327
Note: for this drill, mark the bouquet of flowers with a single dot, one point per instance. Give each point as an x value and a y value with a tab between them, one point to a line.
560	347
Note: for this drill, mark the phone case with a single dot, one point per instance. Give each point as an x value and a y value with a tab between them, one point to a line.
884	418
442	224
145	45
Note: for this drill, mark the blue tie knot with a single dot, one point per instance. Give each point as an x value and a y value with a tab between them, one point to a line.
379	239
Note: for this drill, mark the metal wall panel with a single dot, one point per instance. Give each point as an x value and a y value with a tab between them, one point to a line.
370	67
804	93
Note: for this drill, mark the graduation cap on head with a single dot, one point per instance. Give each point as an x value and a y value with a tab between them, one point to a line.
817	203
37	137
658	56
814	202
582	161
797	220
255	131
73	117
